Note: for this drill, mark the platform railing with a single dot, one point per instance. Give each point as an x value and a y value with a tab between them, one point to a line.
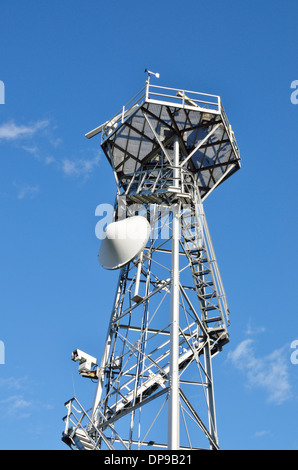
229	129
183	97
81	430
160	94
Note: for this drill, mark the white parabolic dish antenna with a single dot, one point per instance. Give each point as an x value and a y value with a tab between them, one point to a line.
123	241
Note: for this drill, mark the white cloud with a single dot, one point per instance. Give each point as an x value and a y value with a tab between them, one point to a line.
16	406
269	372
27	191
48	160
39	140
253	330
12	382
262	433
11	131
13	402
82	167
241	354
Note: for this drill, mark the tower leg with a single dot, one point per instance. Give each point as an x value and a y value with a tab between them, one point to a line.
106	353
210	396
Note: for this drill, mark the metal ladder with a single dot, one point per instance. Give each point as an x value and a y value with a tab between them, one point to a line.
199	250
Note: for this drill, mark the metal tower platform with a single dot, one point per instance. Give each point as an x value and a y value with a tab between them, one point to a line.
169	149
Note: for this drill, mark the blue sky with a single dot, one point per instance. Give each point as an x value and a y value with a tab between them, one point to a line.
68	66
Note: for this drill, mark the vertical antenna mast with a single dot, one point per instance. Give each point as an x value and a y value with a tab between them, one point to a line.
174	411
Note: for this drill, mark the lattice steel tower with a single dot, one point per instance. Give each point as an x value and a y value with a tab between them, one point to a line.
168	149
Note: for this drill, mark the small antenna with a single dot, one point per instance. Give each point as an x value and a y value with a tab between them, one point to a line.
73	384
151	73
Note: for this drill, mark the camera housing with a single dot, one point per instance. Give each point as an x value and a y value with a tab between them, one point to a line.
86	363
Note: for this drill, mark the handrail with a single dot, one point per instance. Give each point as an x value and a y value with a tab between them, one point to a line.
122	113
186	97
186	91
